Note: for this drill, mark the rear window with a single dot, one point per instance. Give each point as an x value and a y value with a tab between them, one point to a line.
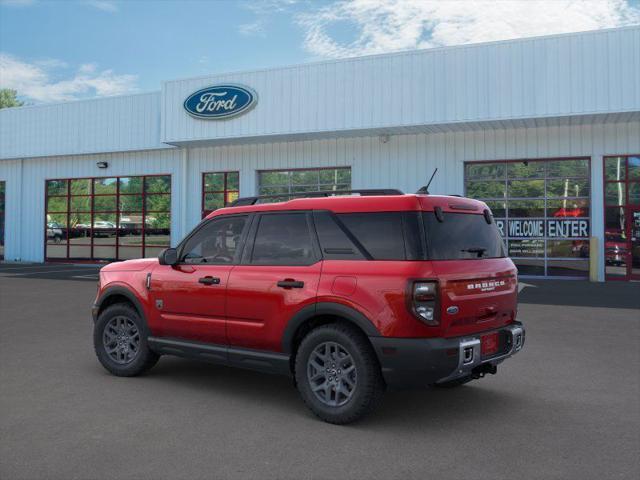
462	236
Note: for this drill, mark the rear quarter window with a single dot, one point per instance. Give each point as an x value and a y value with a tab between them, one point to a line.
385	235
462	236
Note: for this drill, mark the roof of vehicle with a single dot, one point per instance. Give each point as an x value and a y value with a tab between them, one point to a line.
355	204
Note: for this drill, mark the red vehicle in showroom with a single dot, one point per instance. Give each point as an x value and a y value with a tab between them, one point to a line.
348	295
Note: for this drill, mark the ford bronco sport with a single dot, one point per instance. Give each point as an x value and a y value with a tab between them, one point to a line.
346	294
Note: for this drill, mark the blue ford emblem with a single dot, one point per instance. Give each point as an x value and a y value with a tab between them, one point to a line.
220	101
452	310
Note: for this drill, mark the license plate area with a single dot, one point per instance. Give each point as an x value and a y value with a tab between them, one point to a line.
489	344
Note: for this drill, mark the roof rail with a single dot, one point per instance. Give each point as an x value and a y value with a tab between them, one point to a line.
240	202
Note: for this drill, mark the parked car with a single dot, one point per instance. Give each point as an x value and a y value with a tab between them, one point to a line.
103	228
54	232
347	295
615	249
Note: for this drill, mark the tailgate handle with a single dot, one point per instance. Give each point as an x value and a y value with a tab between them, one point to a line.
290	283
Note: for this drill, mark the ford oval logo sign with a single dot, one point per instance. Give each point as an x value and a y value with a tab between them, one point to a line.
220	101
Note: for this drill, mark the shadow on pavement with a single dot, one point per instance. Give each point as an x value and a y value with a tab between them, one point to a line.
438	408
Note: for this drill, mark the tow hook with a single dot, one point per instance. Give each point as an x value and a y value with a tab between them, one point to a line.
481	370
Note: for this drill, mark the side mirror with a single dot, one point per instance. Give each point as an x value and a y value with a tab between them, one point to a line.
168	256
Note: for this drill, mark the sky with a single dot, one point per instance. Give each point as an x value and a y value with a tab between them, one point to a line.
59	50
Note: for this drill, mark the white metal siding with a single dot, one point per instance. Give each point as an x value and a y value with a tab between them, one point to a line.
547	77
90	126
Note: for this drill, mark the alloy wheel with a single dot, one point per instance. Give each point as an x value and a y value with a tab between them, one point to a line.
121	340
331	373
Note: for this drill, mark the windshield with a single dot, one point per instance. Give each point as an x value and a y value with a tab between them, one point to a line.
462	236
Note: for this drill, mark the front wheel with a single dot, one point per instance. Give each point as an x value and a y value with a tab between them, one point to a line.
338	374
120	341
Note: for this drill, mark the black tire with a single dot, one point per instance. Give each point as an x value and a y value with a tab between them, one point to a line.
142	361
369	386
458	382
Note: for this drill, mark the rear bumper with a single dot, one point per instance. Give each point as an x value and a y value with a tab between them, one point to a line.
418	362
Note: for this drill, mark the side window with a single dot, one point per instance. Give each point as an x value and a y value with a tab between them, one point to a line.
334	241
216	243
283	239
381	234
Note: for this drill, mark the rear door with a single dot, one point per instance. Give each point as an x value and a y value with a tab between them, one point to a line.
278	275
189	298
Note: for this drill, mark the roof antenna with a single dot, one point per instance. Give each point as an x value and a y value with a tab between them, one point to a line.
425	190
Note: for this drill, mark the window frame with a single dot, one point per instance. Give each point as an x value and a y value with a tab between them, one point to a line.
627	206
91	212
247	253
505	179
203	211
289	186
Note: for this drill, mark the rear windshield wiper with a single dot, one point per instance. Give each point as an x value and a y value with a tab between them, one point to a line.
478	250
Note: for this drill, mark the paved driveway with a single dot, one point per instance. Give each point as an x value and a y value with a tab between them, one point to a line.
566	407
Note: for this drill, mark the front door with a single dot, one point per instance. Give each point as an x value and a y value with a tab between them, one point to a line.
278	276
188	299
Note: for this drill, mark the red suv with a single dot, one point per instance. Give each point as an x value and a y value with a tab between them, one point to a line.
347	294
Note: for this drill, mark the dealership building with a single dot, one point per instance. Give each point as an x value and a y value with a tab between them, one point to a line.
546	130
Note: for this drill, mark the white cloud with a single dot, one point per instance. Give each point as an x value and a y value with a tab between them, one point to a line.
269	6
36	81
104	5
252	29
389	25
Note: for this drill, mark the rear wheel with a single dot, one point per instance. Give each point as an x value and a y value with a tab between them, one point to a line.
120	341
337	373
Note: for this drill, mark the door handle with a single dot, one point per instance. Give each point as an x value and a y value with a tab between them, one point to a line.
209	280
290	283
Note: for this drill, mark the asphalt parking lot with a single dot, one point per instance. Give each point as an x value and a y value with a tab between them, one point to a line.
566	407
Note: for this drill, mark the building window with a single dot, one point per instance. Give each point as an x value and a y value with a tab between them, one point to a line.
285	182
2	212
622	217
105	219
542	208
219	189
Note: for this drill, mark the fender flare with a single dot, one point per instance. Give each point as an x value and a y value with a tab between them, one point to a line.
119	290
325	308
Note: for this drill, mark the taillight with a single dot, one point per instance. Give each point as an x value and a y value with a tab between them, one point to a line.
424	297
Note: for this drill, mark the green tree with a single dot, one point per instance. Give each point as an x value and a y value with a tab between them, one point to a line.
8	98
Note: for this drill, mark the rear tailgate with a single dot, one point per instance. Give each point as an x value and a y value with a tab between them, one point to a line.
476	295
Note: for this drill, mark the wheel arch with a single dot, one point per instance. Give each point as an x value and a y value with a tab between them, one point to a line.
118	294
322	313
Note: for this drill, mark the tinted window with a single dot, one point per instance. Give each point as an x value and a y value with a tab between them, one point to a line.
462	236
334	241
379	233
283	239
216	243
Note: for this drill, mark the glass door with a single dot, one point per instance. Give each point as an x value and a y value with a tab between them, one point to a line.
634	240
622	217
2	188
